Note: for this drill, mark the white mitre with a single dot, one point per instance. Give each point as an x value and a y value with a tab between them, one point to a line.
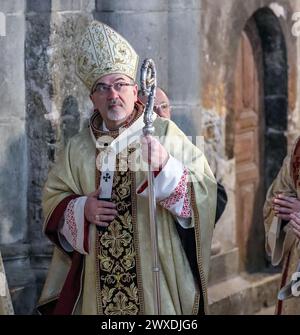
103	51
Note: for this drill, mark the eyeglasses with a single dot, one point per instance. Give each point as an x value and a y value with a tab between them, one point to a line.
104	88
163	105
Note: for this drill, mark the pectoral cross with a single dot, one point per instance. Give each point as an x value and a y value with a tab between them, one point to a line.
106	177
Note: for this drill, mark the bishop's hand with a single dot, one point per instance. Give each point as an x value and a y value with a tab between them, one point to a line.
154	153
99	212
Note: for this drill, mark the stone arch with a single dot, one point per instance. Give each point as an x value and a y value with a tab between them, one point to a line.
275	69
264	33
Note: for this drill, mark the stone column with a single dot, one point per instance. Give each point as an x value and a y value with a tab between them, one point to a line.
184	64
145	25
13	157
13	151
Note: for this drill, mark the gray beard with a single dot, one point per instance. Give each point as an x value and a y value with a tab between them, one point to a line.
116	116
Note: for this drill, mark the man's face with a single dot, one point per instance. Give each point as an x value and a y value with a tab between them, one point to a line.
115	103
161	103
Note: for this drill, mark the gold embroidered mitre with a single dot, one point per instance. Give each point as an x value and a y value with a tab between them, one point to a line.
103	51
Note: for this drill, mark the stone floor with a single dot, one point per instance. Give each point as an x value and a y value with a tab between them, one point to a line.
233	293
244	294
266	311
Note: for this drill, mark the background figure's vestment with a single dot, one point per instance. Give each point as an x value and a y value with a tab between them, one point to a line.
114	276
221	201
281	243
6	307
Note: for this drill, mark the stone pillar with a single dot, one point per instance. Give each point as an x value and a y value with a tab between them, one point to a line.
184	64
145	25
13	151
13	158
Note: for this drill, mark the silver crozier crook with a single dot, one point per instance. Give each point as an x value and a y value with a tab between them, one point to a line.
148	87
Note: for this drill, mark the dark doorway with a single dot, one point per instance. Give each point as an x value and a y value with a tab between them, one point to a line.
260	122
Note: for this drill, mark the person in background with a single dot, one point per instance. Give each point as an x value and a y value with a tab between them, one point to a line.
162	103
282	228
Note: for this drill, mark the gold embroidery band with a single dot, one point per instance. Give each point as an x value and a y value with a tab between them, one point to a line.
117	275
